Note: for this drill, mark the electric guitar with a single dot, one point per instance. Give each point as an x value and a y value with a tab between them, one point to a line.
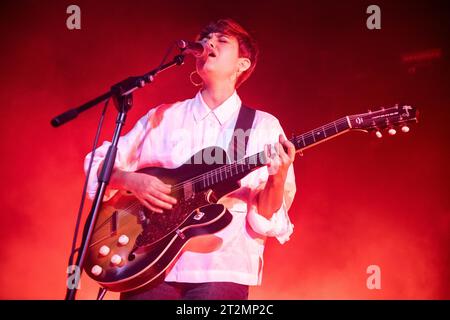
131	245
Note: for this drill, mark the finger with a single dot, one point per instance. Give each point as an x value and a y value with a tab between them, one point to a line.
280	151
290	153
268	153
274	156
157	202
161	186
291	150
149	206
164	197
284	142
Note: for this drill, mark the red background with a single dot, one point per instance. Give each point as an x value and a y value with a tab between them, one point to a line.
361	201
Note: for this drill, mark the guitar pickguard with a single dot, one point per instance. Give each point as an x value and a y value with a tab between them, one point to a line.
159	225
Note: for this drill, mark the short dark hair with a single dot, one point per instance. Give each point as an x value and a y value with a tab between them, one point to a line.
248	47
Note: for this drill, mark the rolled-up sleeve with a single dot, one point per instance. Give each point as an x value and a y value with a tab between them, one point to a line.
279	225
128	153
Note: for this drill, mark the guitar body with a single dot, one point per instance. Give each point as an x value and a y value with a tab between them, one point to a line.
131	245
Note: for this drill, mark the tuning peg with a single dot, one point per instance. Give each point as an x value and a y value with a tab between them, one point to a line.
379	134
392	131
369	111
405	129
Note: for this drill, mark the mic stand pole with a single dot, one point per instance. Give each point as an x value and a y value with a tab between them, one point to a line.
123	99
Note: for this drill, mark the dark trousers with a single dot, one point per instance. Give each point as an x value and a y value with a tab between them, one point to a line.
163	290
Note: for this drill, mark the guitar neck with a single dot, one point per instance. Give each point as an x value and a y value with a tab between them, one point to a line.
241	168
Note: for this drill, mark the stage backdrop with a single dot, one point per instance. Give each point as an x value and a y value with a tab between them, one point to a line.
361	201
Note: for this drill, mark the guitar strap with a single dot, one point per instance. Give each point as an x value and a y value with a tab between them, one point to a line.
239	139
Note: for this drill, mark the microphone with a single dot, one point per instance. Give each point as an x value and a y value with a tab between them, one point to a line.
197	49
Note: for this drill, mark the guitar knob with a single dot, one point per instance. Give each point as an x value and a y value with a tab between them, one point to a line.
405	129
392	131
96	270
123	240
116	259
379	134
104	250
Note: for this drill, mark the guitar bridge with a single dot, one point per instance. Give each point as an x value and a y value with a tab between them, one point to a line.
199	215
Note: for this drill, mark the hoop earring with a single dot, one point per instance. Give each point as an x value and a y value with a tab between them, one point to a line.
197	84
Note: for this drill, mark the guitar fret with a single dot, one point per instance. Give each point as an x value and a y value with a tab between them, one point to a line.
343	125
329	131
310	141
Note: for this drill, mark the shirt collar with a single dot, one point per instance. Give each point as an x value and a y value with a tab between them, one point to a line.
222	112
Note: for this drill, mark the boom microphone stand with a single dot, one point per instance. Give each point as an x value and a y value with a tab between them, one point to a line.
123	100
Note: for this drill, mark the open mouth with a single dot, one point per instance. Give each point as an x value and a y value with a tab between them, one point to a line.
212	54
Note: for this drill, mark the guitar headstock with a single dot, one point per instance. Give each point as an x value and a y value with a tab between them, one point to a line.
389	119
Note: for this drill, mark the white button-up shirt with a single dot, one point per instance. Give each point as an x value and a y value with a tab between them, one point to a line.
168	136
